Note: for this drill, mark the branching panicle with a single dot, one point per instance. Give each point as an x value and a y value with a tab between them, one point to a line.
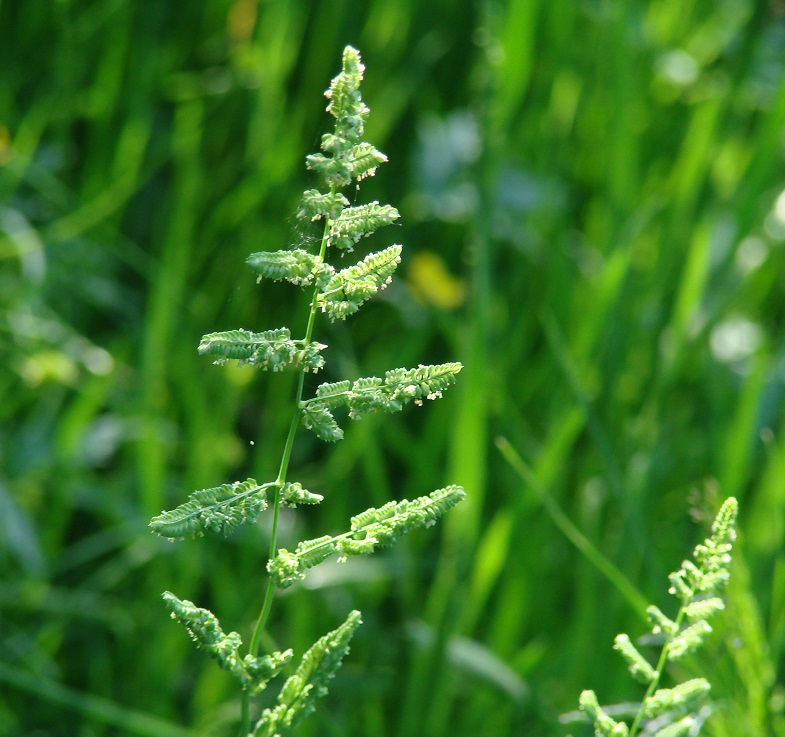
271	349
346	104
295	266
696	585
347	156
358	222
347	290
372	394
252	671
220	510
344	159
369	530
309	682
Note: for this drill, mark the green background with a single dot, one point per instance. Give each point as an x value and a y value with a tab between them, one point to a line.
593	222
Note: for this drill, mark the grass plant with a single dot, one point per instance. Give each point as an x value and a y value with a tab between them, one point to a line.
345	158
676	711
627	261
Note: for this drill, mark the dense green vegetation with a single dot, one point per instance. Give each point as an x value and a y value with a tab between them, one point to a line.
591	200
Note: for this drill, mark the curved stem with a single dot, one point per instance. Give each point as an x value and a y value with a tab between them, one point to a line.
261	622
655	682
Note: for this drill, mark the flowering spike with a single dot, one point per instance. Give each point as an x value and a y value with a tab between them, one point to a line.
604	724
271	349
661	623
683	728
683	699
316	205
371	394
220	510
293	494
689	639
253	672
347	290
695	585
309	682
369	530
639	667
355	223
295	266
344	158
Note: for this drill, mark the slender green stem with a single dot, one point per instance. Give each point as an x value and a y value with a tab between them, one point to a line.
261	622
655	682
568	528
245	715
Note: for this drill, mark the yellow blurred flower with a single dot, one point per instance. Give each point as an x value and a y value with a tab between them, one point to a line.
5	145
432	283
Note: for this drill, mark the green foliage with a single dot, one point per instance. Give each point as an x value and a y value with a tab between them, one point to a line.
695	584
222	509
597	236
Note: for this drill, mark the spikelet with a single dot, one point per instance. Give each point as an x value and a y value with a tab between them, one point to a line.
316	205
639	667
683	728
296	266
293	494
604	724
681	700
320	420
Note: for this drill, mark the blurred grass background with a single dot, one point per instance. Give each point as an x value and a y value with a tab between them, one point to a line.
594	224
